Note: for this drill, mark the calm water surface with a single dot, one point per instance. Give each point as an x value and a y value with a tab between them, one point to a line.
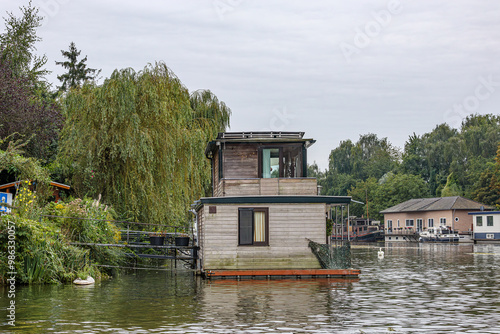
427	288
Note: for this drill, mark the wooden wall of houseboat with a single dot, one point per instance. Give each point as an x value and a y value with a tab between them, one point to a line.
289	227
216	184
269	187
240	161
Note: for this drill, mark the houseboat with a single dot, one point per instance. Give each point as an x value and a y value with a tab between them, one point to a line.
360	229
439	234
486	226
264	211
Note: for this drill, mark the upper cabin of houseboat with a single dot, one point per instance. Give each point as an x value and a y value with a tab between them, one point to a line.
260	163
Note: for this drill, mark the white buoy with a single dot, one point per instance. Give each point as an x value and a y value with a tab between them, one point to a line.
380	254
87	281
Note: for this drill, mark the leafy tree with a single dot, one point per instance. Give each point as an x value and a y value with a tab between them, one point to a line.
78	72
488	186
137	141
398	188
365	192
451	188
18	42
24	116
369	157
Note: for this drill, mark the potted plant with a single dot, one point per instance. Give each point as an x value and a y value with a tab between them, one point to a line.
157	238
182	239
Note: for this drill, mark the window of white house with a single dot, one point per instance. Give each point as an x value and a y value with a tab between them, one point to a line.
489	220
409	222
430	222
442	221
253	226
479	221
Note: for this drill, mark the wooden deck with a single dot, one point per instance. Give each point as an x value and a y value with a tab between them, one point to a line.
283	273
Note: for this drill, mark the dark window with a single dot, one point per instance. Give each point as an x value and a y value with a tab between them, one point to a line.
253	226
221	170
409	222
479	221
489	220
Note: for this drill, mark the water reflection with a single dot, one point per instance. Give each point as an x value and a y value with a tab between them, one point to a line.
430	288
284	305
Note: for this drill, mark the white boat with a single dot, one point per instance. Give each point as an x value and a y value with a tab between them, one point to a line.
439	234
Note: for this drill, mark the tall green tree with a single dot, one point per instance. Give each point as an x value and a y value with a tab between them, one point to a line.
18	42
137	141
77	70
369	157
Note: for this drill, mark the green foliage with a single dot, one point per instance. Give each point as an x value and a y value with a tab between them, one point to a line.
43	251
78	72
22	168
369	157
139	140
390	190
42	256
451	188
18	41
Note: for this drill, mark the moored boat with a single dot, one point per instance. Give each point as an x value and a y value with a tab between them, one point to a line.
439	234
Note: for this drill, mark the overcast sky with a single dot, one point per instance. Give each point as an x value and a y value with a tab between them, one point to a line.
333	69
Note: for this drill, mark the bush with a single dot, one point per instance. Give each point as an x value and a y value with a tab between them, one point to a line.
43	253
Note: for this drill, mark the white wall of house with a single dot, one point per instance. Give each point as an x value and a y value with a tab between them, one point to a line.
480	230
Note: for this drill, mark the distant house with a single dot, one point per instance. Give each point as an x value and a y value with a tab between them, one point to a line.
486	226
264	207
417	215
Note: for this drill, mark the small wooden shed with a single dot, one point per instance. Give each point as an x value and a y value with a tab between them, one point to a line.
56	187
264	208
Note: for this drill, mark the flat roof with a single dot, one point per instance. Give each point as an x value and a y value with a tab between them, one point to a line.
259	137
280	199
485	213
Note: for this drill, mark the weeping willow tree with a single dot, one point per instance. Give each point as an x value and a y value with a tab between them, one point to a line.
139	140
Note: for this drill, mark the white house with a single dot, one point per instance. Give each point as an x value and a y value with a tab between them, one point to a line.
486	226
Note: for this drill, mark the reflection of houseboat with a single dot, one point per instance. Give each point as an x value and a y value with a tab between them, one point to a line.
360	229
439	234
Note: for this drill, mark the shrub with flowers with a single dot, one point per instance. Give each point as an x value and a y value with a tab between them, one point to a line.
26	201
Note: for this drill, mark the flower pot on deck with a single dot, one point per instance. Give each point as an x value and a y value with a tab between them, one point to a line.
156	240
182	241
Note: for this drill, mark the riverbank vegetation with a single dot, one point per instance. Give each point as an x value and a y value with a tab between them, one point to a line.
131	148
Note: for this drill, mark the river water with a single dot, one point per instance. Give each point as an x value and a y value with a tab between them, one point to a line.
415	288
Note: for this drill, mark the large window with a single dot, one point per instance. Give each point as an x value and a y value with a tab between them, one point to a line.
286	161
253	226
489	220
479	221
442	221
409	222
430	222
389	223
